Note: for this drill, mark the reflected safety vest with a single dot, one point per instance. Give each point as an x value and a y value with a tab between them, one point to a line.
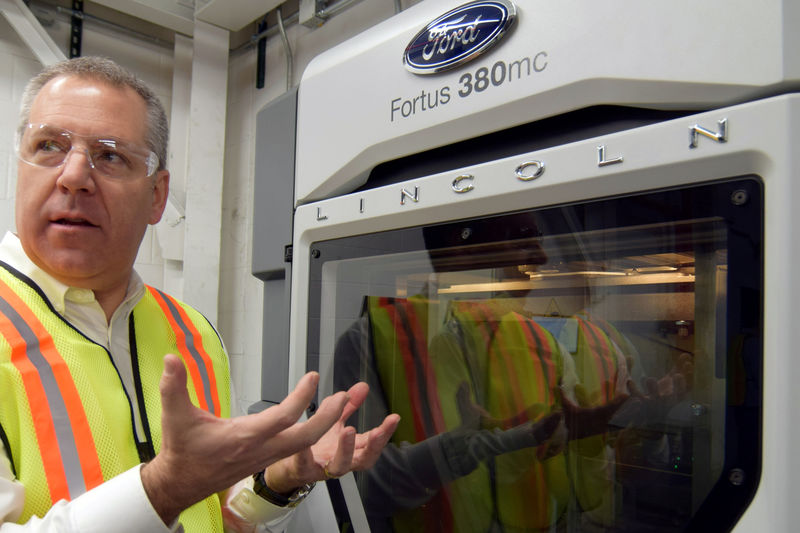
597	364
524	366
401	331
510	365
64	411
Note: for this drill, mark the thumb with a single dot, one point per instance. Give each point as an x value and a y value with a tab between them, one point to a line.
634	390
469	417
174	396
545	427
463	400
566	403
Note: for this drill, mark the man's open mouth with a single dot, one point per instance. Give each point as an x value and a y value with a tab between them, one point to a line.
73	222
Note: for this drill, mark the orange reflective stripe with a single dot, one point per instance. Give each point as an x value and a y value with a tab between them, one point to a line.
600	352
415	387
503	358
40	411
212	377
420	338
537	336
54	458
408	366
190	346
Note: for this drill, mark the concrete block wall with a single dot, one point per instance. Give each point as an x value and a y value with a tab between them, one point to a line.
17	65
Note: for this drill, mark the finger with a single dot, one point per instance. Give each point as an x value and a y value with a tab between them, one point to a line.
358	394
555	444
619	400
299	437
288	412
465	406
174	396
665	387
305	434
652	387
462	394
299	399
376	441
545	427
634	390
384	431
567	404
281	435
343	458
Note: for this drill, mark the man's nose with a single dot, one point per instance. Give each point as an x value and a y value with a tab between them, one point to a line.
76	171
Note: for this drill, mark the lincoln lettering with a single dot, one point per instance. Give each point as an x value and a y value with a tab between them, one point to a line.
532	169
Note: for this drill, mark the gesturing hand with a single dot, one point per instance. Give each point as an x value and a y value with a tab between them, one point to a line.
339	451
202	454
587	421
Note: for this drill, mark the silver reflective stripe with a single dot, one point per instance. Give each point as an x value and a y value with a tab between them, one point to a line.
201	365
58	409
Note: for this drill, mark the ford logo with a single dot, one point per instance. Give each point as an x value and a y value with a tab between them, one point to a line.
458	36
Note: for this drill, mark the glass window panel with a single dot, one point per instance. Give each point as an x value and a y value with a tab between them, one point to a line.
589	367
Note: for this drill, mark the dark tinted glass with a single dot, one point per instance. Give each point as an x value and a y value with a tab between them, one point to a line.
585	367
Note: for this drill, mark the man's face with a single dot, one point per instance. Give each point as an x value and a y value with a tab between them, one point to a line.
80	226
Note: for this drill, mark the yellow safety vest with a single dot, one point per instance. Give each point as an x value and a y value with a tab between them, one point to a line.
401	331
597	366
64	412
524	367
597	361
512	367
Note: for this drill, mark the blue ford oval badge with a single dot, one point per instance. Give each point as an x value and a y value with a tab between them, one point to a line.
459	35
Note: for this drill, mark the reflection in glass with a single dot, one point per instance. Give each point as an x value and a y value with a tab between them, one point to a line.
547	380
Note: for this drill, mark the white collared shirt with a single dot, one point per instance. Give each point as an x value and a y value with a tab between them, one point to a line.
121	500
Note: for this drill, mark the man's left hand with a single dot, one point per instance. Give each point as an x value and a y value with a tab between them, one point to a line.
339	451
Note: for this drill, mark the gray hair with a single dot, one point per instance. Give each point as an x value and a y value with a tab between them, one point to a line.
105	70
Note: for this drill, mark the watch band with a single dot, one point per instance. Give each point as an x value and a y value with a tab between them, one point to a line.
261	488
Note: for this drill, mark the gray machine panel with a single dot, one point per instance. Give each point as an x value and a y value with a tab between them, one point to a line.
273	197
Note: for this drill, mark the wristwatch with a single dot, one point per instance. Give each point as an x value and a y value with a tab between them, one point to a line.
260	487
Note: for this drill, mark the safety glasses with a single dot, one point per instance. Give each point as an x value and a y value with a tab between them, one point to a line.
48	146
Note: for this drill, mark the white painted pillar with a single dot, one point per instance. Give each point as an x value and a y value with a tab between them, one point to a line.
31	32
171	230
179	118
206	156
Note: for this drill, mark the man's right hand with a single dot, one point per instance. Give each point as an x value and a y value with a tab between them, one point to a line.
202	454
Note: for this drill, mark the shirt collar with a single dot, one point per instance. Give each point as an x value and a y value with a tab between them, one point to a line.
58	293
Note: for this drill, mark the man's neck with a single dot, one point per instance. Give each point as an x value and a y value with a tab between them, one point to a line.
110	300
109	293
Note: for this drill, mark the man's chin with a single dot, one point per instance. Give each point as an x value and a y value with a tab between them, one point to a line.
72	266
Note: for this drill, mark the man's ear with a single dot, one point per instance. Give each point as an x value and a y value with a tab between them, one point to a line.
160	194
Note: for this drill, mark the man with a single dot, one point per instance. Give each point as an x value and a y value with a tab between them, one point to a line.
86	392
